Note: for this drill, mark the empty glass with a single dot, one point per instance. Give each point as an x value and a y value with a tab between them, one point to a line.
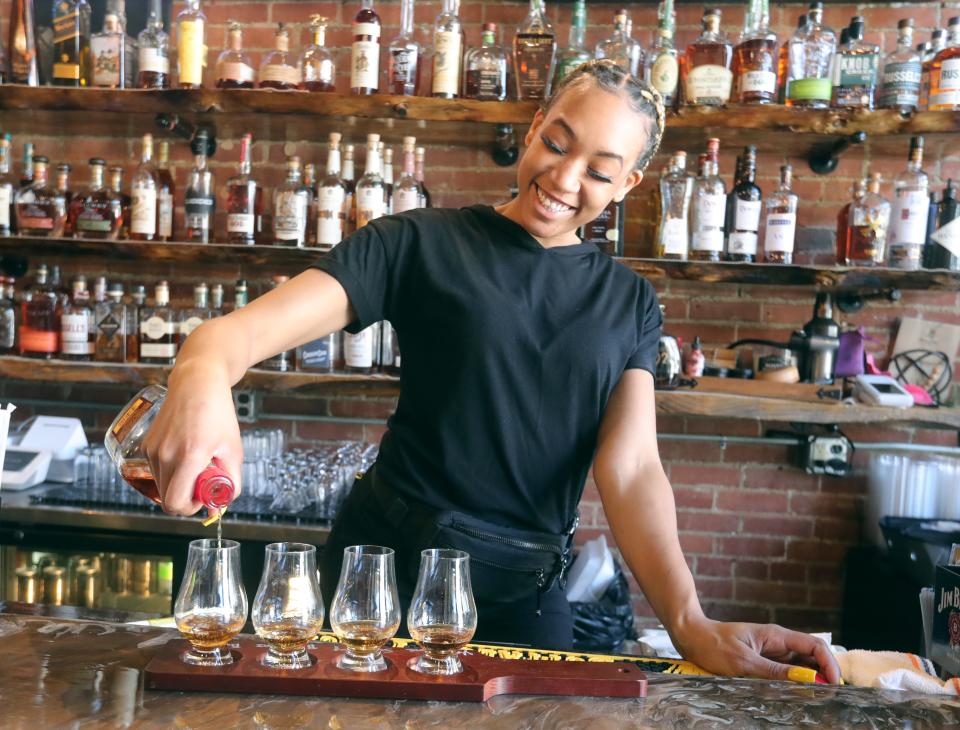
211	606
288	609
365	613
443	616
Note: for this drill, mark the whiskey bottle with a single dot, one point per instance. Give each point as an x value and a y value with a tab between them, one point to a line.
486	67
908	221
240	294
331	197
138	300
348	176
143	207
324	355
858	190
8	187
534	54
22	45
244	199
662	67
943	245
26	166
938	41
406	194
447	51
755	58
280	69
76	336
371	192
707	78
783	61
781	221
310	181
902	73
388	360
744	207
676	192
8	317
387	153
635	57
191	45
153	51
63	188
234	68
291	201
404	56
365	51
420	155
97	213
574	54
869	219
39	334
159	329
116	187
616	47
709	208
359	350
606	230
318	72
112	50
166	190
200	200
71	43
194	316
810	62
216	300
855	70
285	361
111	321
945	72
41	209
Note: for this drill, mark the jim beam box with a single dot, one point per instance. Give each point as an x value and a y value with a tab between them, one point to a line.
945	648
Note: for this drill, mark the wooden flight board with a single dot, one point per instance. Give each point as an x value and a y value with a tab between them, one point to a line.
483	677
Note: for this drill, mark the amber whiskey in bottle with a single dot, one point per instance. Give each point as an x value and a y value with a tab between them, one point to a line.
110	322
280	69
534	55
485	75
318	71
244	200
165	193
365	52
40	319
744	204
143	208
869	221
945	72
71	43
234	69
76	336
41	209
159	329
755	58
153	51
22	45
707	78
96	213
116	186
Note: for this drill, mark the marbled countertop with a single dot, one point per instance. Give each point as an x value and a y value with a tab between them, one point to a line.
58	673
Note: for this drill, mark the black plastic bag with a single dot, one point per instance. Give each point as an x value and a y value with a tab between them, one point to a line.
604	625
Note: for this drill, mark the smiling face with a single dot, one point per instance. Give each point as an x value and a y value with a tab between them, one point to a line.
580	156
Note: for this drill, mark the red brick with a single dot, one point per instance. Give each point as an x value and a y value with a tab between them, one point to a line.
752	569
759	454
706	522
816	551
696	544
716	567
781	478
844	530
695	498
752	546
770	594
788	572
362	408
694	475
751	502
320	431
824	505
714	588
780	526
689	451
738	612
703	310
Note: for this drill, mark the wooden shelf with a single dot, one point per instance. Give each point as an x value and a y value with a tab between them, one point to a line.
695	402
291	260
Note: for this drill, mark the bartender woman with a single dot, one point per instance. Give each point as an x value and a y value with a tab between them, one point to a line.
527	356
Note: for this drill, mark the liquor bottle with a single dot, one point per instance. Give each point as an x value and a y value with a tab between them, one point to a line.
908	222
389	355
291	201
112	50
365	51
39	334
138	297
406	194
280	69
371	192
244	199
165	193
62	186
447	51
318	72
404	56
359	350
143	189
285	361
662	67
387	153
810	62
943	245
240	297
110	321
858	190
8	317
348	175
945	72
59	288
634	49
200	199
869	219
159	329
22	45
216	300
781	221
744	207
755	58
902	73
26	166
855	70
709	208
191	45
153	51
575	52
534	53
96	213
8	187
938	41
616	47
116	186
234	67
606	230
324	355
194	316
310	181
419	163
783	61
76	337
486	67
707	79
676	192
41	210
71	43
331	197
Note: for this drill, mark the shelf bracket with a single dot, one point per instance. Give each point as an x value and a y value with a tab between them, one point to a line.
198	135
852	300
504	150
823	159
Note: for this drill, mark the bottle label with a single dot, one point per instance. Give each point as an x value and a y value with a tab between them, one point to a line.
909	218
240	223
108	325
290	216
710	214
189	325
74	335
317	355
106	59
368	29
35	222
69	71
664	74
190	49
154	60
446	62
239	72
126	422
370	205
403	64
358	349
199	211
329	229
165	214
945	91
365	65
858	70
32	340
143	211
93	224
742	242
534	56
66	25
710	239
675	237
330	199
747	215
156	328
281	74
810	89
153	349
781	230
710	83
900	85
760	82
6	197
406	199
948	236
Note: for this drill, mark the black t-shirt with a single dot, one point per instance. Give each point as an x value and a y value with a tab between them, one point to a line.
510	353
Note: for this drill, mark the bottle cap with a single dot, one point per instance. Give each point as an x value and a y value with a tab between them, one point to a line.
904	23
214	487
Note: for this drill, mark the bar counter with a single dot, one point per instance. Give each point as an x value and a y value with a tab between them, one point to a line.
81	673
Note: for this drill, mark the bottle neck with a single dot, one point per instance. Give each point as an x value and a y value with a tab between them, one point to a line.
147	154
406	18
4	159
282	42
905	39
319	36
366	4
39	174
333	161
450	7
236	39
200	162
96	177
347	171
293	173
489	39
245	165
200	297
418	170
408	162
578	27
374	166
161	296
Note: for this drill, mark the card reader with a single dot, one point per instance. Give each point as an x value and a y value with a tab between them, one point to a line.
881	390
24	468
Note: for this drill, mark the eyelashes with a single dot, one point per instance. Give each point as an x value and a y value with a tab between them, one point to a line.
558	150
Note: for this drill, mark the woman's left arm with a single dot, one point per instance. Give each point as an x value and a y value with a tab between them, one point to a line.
639	505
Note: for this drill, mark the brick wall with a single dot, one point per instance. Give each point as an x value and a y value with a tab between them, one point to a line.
765	540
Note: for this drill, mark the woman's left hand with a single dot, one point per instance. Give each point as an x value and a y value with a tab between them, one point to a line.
754	650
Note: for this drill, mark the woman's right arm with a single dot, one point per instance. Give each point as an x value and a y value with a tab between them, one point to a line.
197	421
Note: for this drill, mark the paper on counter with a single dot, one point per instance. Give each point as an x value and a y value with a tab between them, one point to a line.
4	429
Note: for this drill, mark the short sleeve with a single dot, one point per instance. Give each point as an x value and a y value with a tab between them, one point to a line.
649	326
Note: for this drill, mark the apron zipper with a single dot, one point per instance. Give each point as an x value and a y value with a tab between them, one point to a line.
524	544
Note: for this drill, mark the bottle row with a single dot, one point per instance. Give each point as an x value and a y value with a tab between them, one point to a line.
46	321
701	220
307	209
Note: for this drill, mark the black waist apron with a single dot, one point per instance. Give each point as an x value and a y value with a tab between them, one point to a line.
517	575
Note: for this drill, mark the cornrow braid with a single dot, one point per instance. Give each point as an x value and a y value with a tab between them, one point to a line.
643	99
